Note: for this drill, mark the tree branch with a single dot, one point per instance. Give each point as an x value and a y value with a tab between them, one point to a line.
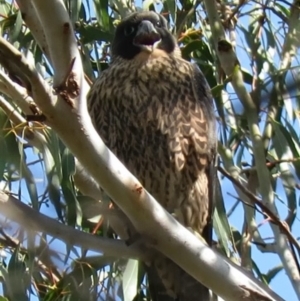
32	20
274	218
32	220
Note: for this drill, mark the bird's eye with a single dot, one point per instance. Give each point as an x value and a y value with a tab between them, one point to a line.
128	30
158	24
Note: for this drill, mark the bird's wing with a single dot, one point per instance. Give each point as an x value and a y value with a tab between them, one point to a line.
203	95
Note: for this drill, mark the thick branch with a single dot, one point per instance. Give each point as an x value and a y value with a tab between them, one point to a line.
18	93
59	35
32	220
32	20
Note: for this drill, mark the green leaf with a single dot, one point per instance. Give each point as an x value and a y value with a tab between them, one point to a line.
273	273
10	156
216	90
284	10
17	274
17	28
52	161
282	140
172	7
220	222
31	187
75	9
147	4
260	275
101	8
74	214
91	33
130	280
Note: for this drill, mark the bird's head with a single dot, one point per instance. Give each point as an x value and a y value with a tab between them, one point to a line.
143	33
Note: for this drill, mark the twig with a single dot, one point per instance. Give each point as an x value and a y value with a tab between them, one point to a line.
264	208
271	164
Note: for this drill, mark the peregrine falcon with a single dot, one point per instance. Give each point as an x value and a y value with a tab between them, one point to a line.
154	110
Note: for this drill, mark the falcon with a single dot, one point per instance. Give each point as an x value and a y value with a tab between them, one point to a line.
154	110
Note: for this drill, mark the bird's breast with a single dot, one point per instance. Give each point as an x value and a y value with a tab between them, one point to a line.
145	114
158	76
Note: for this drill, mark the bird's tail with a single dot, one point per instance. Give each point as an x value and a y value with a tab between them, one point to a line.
168	282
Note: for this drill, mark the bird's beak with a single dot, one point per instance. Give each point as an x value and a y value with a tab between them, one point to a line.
147	36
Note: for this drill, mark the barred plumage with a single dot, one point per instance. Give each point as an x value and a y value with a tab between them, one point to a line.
154	110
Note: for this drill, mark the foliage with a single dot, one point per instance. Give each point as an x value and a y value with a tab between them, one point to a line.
266	43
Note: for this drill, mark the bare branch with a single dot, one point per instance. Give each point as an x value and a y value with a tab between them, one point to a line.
59	35
32	20
32	220
18	93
